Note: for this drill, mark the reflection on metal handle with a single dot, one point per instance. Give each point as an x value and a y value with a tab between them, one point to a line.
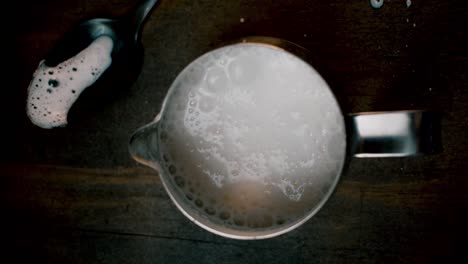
393	134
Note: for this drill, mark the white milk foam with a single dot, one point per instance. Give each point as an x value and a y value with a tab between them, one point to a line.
53	90
251	128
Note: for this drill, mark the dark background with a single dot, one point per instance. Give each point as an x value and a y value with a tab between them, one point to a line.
74	195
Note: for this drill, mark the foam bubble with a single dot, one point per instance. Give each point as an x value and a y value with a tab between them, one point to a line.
57	88
179	181
210	210
172	169
216	79
199	203
189	196
280	220
224	215
238	220
243	70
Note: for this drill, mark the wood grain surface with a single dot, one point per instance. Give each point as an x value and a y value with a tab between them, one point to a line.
73	195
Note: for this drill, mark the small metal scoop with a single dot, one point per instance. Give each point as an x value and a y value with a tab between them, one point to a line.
124	32
126	61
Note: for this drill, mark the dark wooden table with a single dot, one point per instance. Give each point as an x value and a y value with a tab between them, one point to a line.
73	195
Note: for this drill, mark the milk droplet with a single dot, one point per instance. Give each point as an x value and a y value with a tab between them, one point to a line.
376	3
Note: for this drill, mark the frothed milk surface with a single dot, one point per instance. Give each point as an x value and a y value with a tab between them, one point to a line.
252	136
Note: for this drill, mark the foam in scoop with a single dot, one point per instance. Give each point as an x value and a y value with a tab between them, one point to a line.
53	90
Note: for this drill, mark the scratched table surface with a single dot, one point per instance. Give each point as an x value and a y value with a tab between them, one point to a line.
74	195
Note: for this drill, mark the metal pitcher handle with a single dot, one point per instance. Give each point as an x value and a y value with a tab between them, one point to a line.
394	133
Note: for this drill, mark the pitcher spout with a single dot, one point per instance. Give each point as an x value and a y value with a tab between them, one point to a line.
144	145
